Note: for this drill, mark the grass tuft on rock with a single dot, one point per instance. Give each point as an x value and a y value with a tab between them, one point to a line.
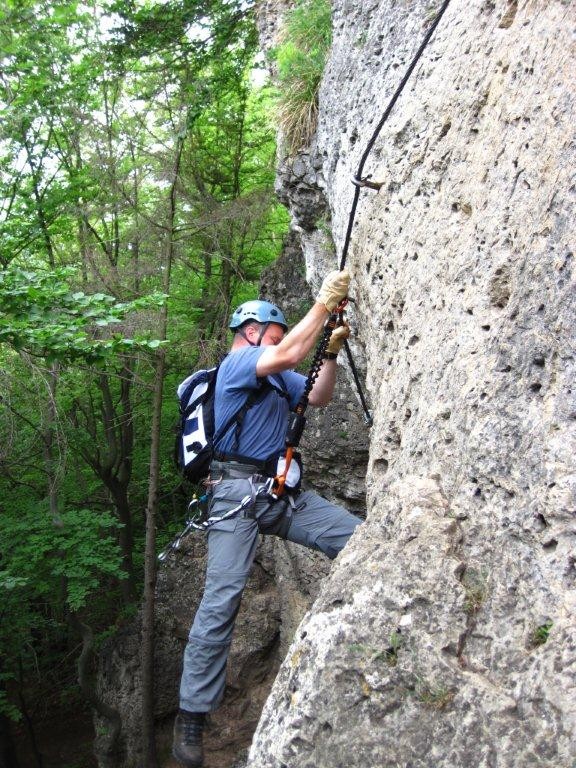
300	60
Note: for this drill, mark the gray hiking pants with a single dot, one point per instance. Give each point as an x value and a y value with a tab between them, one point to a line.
313	522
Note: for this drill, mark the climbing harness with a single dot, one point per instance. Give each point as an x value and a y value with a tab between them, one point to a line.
199	519
197	513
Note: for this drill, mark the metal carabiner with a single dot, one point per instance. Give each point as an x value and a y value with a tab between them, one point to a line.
195	520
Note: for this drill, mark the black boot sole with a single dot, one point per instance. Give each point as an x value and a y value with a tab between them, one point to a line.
186	762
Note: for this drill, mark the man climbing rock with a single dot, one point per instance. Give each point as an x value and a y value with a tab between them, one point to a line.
258	368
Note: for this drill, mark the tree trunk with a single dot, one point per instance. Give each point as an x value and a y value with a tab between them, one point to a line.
88	689
150	561
110	457
27	719
119	493
150	569
8	757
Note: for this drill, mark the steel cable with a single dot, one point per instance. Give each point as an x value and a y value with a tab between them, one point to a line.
298	420
358	180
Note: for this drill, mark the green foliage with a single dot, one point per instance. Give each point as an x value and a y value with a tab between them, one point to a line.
39	554
8	709
374	654
301	59
433	695
395	641
541	634
103	224
475	583
48	567
41	314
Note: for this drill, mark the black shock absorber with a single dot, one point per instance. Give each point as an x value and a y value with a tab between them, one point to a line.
297	420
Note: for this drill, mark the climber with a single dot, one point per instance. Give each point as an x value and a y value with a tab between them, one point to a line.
245	458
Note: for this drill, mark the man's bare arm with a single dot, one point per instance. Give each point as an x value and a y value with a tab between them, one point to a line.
323	389
295	345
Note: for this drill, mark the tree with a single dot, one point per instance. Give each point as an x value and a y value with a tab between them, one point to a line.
135	164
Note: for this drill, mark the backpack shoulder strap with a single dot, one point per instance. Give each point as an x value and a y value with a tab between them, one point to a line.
266	385
254	396
276	382
239	415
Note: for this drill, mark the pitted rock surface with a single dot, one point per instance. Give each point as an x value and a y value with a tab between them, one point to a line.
445	633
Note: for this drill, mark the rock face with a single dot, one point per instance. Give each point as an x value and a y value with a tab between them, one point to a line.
445	634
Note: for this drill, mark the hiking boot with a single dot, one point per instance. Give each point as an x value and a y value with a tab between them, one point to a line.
187	744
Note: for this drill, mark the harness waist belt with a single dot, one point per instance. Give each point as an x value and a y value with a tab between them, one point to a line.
235	470
267	466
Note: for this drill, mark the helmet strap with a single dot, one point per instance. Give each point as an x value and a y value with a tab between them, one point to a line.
262	332
260	336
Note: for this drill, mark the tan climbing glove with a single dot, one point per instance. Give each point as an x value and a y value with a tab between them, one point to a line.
334	289
339	336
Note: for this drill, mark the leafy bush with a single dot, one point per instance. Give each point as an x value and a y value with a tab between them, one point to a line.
38	556
300	61
48	570
42	315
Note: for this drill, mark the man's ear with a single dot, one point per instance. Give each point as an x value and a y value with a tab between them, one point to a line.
249	331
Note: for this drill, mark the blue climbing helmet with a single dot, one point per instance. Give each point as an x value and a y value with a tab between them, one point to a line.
258	311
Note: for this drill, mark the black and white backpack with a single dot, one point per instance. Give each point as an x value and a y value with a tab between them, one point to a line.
195	439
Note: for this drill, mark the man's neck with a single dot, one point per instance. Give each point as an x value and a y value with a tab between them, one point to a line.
239	343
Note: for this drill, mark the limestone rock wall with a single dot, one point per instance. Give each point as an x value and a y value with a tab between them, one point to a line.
445	633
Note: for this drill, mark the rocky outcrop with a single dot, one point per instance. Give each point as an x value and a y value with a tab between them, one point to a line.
445	632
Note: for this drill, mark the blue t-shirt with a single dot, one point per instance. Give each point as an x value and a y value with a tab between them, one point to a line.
264	427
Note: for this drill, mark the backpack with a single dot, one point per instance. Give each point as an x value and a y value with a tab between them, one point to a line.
195	439
195	436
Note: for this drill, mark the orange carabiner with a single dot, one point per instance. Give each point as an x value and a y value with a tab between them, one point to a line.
342	306
280	480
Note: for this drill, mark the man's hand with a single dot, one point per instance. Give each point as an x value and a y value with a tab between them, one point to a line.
339	336
334	289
